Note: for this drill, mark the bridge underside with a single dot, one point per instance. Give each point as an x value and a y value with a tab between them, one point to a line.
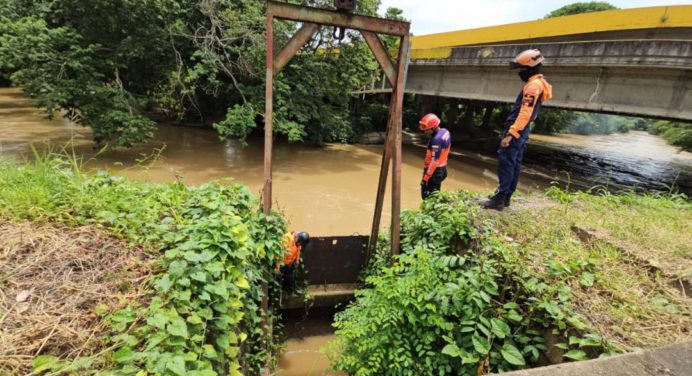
628	91
640	78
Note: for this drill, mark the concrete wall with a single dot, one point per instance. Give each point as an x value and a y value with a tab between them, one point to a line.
641	78
672	360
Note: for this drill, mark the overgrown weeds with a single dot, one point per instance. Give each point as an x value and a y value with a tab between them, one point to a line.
57	284
475	292
459	300
628	302
200	315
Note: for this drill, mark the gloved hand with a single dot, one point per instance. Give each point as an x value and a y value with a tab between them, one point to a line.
505	141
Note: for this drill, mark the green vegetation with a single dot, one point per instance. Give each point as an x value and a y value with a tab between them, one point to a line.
677	134
211	248
108	63
474	292
591	123
582	7
459	300
644	250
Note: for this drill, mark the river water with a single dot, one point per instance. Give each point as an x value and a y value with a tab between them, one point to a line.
331	190
325	191
633	160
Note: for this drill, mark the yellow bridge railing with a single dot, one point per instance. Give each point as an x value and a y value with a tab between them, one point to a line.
438	46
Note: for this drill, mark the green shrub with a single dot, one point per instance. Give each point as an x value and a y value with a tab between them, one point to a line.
200	315
459	300
676	134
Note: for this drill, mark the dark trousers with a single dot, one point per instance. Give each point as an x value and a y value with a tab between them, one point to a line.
288	279
435	182
509	165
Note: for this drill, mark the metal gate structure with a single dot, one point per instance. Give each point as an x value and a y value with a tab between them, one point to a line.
395	72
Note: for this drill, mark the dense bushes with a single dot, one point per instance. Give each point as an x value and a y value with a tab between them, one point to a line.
201	316
459	300
107	63
677	134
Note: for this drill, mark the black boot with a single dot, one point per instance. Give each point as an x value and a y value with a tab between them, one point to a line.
495	202
507	200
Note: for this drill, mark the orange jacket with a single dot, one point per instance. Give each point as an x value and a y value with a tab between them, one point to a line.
536	90
292	250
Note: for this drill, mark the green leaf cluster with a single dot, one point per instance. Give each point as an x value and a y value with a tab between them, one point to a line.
677	134
109	64
456	301
581	7
211	247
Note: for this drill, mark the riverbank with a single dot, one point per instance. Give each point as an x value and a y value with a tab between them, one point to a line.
555	277
613	290
197	312
634	253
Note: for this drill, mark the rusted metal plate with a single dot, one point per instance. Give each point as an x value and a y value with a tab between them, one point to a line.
329	17
334	259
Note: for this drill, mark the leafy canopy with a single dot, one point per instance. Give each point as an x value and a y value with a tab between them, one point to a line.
581	7
109	64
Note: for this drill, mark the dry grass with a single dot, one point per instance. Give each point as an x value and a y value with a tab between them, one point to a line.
629	304
54	284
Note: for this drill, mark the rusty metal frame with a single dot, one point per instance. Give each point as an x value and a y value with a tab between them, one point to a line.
370	27
395	72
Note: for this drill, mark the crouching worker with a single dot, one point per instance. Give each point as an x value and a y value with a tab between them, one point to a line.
293	244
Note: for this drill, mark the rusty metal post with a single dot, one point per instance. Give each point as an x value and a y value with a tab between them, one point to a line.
268	118
392	144
267	191
320	16
397	123
370	27
382	183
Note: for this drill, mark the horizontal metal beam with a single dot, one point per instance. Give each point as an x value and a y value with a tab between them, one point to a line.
328	17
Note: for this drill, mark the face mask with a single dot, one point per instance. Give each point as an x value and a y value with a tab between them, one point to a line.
527	73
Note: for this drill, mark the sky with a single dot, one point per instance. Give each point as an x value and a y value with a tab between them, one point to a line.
435	16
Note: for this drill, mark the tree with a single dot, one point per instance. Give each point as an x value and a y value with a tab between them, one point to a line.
582	7
109	63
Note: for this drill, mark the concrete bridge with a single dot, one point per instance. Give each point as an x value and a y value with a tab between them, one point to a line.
632	62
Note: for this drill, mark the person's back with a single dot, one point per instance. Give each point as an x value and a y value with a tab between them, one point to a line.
292	246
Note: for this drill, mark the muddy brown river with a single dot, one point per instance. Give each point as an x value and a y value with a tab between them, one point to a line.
325	191
331	190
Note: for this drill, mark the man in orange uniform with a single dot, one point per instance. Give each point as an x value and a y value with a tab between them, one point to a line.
435	169
517	126
293	244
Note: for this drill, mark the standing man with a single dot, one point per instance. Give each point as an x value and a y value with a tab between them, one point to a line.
517	129
435	170
293	244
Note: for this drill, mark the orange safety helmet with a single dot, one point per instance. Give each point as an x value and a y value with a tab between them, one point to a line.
429	121
527	59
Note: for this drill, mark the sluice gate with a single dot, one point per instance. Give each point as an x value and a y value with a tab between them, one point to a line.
332	266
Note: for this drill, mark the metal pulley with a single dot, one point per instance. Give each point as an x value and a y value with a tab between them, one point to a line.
346	6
